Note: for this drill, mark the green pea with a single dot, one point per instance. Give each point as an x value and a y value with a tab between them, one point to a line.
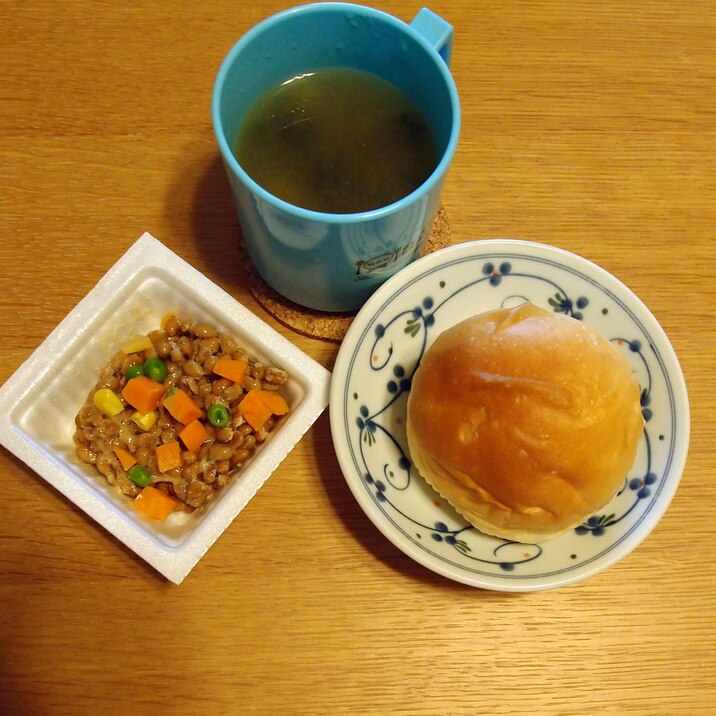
156	369
135	370
139	475
218	415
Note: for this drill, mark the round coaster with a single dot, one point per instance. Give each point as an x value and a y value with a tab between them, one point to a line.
320	324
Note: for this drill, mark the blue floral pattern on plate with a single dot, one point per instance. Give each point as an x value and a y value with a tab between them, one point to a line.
372	378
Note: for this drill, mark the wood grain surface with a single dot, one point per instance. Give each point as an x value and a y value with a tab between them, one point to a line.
587	125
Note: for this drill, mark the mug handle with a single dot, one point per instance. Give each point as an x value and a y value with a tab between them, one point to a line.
436	31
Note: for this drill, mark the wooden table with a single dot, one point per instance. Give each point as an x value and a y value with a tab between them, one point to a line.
586	125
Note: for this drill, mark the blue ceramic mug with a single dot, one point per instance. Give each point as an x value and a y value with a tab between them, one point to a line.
333	262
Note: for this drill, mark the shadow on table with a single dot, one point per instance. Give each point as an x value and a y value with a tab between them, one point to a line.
375	544
199	206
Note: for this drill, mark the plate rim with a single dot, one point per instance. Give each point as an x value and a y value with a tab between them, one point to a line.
529	249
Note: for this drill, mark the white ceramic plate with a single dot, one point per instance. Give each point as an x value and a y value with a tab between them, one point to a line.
38	403
372	377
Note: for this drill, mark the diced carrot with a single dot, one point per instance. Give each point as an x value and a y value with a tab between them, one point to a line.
125	458
255	412
233	370
143	393
181	406
154	503
168	456
273	401
259	405
194	435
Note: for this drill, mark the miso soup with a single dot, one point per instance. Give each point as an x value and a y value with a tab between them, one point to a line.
336	140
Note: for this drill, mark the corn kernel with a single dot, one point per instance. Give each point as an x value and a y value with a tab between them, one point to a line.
166	317
145	421
136	345
107	402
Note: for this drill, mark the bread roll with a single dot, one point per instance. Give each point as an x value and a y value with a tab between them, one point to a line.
526	421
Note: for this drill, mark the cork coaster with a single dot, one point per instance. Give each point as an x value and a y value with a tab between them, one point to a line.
320	324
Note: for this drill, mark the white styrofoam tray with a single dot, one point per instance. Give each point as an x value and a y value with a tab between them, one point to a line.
38	403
